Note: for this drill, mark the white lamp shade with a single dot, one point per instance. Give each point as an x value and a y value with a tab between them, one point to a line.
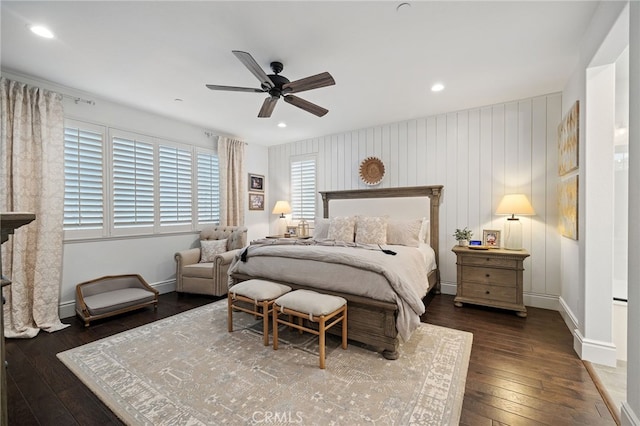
281	208
515	204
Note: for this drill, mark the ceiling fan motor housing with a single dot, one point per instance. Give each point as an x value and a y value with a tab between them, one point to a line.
278	82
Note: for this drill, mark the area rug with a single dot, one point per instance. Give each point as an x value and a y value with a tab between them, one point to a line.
188	370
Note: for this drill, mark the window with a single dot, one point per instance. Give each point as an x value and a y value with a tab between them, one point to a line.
121	183
83	179
303	189
208	190
175	185
133	172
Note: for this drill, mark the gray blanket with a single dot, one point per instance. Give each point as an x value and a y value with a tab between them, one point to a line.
363	270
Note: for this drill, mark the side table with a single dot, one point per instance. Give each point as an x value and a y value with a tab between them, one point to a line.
490	277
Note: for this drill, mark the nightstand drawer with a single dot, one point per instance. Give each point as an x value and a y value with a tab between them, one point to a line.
489	261
503	277
490	292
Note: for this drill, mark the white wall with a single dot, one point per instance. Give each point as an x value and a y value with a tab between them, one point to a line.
631	408
585	300
150	256
478	155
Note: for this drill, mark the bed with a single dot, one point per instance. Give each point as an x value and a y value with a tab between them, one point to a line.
389	305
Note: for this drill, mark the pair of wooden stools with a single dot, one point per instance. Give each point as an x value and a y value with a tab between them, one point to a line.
266	298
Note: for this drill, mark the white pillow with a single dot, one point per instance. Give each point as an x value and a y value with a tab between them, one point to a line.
320	228
425	231
404	232
342	228
210	248
371	230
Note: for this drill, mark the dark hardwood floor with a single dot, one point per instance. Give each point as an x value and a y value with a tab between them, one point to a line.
522	371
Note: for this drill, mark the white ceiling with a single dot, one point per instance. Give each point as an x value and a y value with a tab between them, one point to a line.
147	54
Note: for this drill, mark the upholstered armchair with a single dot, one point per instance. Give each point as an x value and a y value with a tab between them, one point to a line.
203	270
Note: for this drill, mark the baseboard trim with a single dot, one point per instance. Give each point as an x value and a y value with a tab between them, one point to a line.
596	351
68	309
627	416
567	315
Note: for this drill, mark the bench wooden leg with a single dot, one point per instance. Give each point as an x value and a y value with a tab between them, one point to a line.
275	328
229	313
344	328
321	331
265	321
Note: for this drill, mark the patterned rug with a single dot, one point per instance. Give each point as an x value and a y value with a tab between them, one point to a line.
188	370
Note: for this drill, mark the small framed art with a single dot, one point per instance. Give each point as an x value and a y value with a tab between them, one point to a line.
491	238
292	231
256	182
256	201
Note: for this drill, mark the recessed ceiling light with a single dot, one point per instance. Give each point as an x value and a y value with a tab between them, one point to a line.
438	87
41	31
282	125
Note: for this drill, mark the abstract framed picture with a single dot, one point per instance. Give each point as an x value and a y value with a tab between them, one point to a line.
256	201
568	207
568	141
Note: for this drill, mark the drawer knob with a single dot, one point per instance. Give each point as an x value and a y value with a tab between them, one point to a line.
487	275
487	292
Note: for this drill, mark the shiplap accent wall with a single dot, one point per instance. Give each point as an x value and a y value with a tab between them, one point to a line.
478	155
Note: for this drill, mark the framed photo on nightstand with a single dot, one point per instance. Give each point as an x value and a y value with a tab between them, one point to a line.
491	238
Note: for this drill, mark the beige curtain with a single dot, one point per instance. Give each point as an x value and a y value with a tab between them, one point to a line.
232	182
32	178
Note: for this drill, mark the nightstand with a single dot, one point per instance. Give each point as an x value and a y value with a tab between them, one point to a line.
490	277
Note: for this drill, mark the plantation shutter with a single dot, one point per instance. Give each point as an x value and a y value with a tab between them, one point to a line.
303	189
132	183
83	186
174	185
208	188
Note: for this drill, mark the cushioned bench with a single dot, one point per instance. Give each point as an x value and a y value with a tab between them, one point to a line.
113	295
259	296
315	307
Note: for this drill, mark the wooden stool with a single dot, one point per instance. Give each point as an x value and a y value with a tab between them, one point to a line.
315	307
261	294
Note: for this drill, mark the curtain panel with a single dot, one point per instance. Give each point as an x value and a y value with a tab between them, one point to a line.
232	181
32	178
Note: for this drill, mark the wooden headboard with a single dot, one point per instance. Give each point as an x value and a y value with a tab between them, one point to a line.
432	191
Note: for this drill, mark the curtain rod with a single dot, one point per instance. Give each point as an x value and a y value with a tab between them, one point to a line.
77	100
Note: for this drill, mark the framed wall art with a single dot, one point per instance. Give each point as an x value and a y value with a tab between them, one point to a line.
256	201
256	182
568	207
491	238
568	141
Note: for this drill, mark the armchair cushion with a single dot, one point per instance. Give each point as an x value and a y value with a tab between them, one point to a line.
210	248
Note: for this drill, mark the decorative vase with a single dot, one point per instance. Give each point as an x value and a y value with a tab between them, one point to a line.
463	243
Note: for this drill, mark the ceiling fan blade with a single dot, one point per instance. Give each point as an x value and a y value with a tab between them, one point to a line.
306	105
308	83
267	107
253	66
234	89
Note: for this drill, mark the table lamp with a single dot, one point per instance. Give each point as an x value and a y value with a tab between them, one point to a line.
282	208
514	204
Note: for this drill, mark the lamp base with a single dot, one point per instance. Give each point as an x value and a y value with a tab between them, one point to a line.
513	234
282	226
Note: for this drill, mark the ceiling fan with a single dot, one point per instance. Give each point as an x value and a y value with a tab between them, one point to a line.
279	86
